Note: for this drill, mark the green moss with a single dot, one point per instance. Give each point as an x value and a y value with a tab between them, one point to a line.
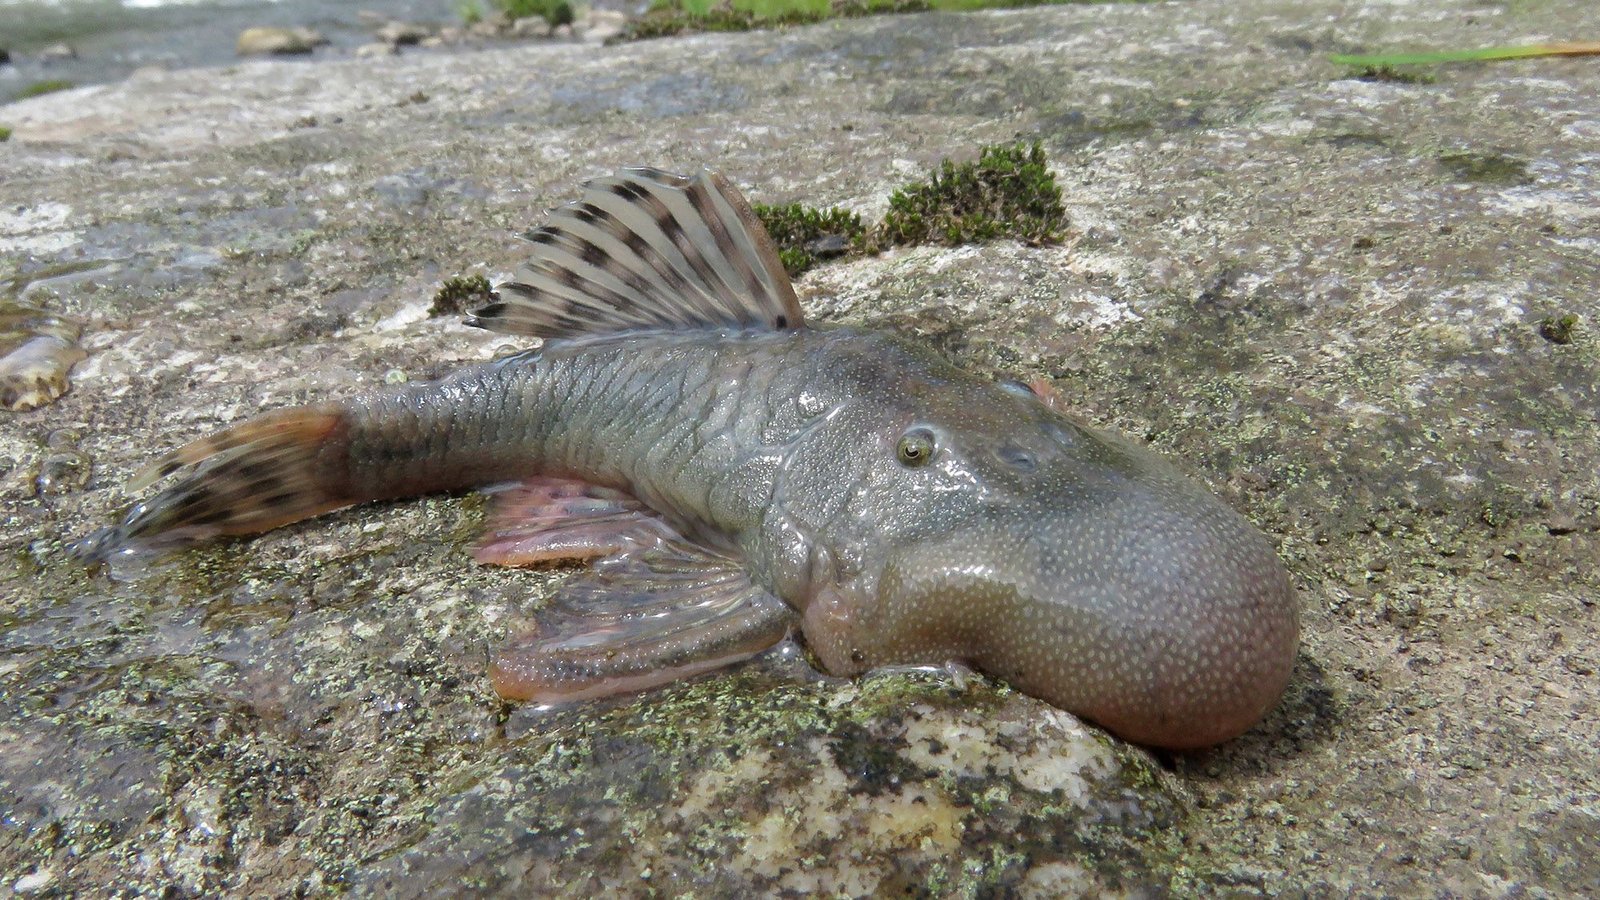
48	86
555	12
458	293
1008	192
668	17
1489	168
5	134
805	234
1558	329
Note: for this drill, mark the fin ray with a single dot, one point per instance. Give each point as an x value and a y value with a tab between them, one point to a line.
545	519
656	608
647	249
252	477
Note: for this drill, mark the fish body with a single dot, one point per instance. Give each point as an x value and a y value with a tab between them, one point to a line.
736	475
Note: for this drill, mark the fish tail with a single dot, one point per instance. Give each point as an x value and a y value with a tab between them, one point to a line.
272	470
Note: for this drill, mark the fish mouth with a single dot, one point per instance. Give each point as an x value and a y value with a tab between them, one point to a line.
1164	639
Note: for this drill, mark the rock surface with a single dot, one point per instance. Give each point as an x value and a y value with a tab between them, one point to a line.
268	40
1364	311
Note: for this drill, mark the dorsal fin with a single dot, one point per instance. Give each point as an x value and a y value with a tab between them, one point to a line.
647	249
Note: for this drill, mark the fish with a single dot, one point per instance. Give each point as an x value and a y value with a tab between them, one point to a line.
734	474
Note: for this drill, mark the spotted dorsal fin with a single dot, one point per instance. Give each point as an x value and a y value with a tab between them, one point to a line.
647	249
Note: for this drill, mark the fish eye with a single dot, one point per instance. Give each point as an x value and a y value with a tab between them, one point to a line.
915	448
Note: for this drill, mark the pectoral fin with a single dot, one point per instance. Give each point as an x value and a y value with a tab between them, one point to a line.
639	620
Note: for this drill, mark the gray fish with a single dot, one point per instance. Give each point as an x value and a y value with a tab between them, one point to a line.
736	474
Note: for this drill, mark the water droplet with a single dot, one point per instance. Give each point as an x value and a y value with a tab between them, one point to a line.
62	472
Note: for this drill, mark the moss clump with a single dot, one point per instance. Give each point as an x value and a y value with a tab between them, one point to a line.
458	293
48	86
1558	329
805	234
1008	192
555	12
5	134
669	17
1489	168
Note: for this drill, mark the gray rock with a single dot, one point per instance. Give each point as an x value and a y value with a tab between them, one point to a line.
494	24
1363	310
403	33
57	52
267	40
596	26
376	49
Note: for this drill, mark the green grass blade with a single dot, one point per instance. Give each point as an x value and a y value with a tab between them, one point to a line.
1582	48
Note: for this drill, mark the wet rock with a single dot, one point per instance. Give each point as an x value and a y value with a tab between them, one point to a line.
531	27
265	40
33	882
57	52
492	25
65	468
599	25
1271	276
369	51
885	788
403	33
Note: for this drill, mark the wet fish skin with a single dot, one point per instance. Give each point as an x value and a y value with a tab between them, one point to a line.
768	476
1078	567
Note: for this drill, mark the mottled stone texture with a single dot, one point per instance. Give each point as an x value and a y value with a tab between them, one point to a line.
1364	311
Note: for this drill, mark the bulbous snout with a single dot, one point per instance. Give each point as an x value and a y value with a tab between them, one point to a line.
1162	615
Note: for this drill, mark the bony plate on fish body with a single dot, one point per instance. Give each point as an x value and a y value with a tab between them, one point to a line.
734	474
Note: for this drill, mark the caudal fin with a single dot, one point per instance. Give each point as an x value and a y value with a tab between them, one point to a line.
272	470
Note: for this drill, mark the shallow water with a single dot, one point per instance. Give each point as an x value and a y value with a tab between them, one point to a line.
114	37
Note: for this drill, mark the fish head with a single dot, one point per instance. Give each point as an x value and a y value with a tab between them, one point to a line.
1073	564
